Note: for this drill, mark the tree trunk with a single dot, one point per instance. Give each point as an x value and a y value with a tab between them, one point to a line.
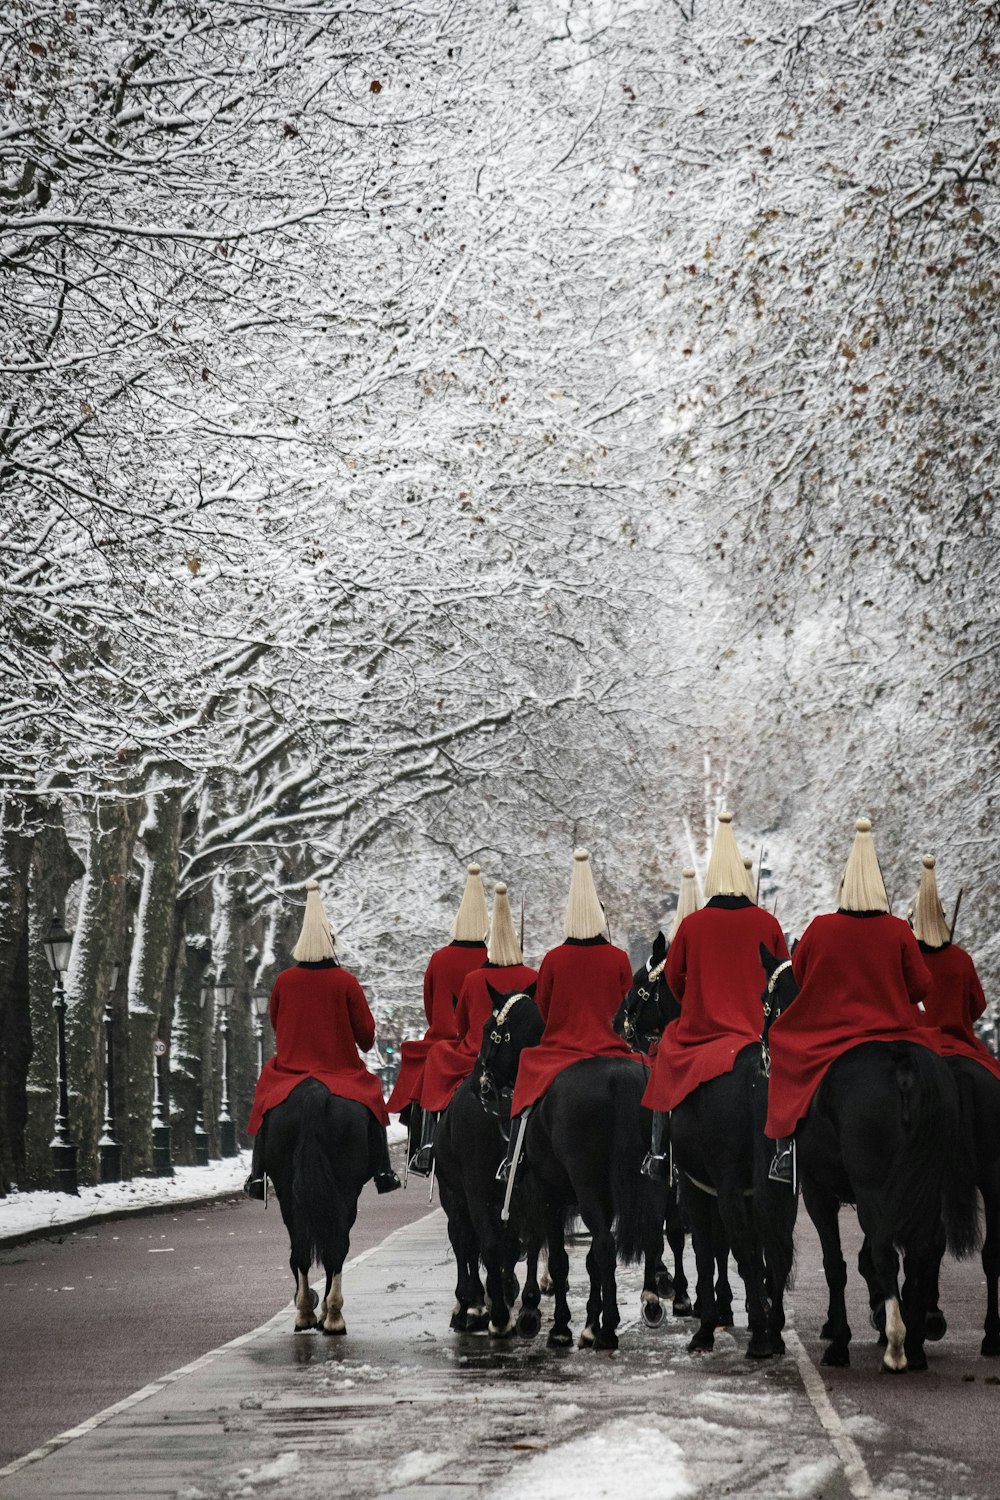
97	945
151	1000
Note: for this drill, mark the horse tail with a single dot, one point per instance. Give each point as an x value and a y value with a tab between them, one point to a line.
961	1203
630	1196
316	1194
920	1189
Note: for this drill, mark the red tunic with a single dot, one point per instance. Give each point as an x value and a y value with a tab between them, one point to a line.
443	980
714	969
955	1001
580	987
449	1062
320	1018
859	979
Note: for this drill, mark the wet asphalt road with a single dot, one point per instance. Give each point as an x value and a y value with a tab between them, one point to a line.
85	1322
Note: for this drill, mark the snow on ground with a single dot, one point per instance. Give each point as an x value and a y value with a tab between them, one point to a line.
27	1213
591	1467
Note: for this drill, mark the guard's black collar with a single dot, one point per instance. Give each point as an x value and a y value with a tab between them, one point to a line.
842	913
932	947
466	943
729	903
586	942
319	963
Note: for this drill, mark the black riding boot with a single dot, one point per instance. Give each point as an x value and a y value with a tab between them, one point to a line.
782	1168
255	1187
386	1180
422	1159
657	1162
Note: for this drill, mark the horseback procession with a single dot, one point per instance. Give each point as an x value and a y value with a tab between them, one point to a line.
705	1092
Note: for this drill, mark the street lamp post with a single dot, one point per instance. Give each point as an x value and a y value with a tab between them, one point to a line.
200	1133
163	1164
224	989
261	1002
109	1145
58	947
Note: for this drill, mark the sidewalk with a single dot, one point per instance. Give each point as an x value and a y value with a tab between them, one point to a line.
29	1216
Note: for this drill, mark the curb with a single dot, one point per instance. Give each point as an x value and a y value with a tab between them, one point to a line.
60	1232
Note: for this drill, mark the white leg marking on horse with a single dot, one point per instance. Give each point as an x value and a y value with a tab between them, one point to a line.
501	1332
305	1302
545	1282
586	1337
895	1331
334	1319
650	1297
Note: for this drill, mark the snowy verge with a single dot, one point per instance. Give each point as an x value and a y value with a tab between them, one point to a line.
24	1214
34	1213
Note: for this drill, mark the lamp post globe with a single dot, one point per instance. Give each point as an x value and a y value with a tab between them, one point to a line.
58	948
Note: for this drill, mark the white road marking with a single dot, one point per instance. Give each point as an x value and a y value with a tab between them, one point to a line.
858	1479
155	1386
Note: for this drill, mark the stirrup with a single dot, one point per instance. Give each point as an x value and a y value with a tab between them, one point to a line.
422	1161
387	1182
503	1170
256	1188
656	1167
781	1169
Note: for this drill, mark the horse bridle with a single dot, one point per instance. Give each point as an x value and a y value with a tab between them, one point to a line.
765	1051
641	996
496	1101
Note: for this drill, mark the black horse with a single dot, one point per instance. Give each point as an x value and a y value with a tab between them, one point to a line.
979	1134
583	1149
641	1019
319	1151
881	1133
469	1145
722	1158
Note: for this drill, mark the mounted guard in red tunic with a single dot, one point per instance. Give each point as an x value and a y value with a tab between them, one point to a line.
320	1018
451	1060
443	980
956	996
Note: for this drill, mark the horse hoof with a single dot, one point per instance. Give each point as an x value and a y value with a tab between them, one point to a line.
587	1340
723	1317
836	1357
894	1369
760	1347
703	1342
665	1284
459	1322
916	1361
333	1332
606	1341
559	1339
682	1308
529	1322
936	1326
477	1322
304	1327
652	1314
990	1347
502	1333
827	1331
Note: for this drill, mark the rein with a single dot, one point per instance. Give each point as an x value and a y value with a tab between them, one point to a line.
496	1101
765	1051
